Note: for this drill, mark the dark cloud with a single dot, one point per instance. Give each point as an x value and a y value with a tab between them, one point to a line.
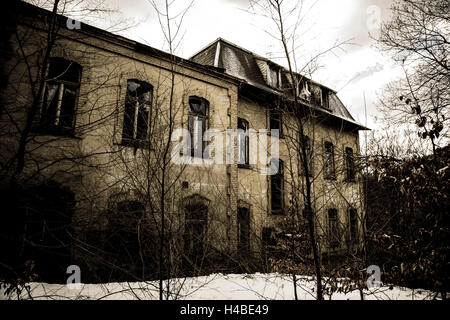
367	72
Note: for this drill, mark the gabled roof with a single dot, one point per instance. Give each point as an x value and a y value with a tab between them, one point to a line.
248	66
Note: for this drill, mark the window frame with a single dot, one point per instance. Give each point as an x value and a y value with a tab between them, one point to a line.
62	85
276	116
134	140
303	90
194	248
349	158
246	162
334	237
325	98
329	161
196	116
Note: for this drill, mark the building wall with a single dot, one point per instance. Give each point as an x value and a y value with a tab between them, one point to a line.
337	193
93	163
97	168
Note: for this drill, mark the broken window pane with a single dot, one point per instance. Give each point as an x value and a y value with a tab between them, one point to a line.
243	142
197	124
138	104
60	95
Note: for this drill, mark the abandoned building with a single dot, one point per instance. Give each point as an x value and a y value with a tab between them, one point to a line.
87	118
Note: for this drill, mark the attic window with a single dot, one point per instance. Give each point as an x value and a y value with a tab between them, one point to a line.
316	95
325	98
303	90
273	77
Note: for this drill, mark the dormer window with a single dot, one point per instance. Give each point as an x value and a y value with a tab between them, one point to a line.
325	98
303	90
273	77
316	95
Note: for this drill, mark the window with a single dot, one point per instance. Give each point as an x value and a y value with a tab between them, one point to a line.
353	221
316	95
273	77
309	156
195	228
277	189
303	89
325	99
349	164
333	228
330	171
138	102
60	95
276	121
243	142
243	231
197	124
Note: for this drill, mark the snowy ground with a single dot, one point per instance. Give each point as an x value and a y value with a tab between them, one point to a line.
213	287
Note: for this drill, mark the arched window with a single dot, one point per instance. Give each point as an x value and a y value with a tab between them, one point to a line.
138	103
126	238
243	142
334	236
330	170
196	211
197	124
60	95
349	164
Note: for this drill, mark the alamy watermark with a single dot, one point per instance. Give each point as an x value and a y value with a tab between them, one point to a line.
374	279
74	280
73	24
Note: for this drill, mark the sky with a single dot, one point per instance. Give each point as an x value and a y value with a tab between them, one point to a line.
358	72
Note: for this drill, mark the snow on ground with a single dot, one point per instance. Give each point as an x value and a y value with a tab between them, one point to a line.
255	286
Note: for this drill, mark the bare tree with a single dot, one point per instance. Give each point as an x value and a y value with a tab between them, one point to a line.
417	38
